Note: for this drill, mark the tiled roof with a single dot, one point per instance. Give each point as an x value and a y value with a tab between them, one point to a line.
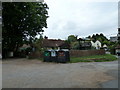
53	43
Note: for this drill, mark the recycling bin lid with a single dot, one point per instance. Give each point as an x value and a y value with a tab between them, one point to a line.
51	50
65	49
61	53
46	53
53	53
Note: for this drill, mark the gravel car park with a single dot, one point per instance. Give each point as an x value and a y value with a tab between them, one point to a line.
24	73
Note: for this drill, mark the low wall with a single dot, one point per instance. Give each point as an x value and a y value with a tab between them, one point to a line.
79	53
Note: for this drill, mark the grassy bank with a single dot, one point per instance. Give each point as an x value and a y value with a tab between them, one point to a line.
95	58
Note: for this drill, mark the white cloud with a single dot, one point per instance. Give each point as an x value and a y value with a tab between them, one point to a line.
81	18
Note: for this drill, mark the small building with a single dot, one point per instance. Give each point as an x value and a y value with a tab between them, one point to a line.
24	46
96	44
86	45
53	43
105	47
114	39
117	49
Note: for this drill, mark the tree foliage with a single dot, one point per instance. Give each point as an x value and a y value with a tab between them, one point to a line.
72	38
22	21
99	37
75	45
38	43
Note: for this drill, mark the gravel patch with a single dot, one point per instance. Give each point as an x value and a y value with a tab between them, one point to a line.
23	73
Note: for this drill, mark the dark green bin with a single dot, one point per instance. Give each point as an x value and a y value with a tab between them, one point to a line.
50	56
53	56
47	56
63	56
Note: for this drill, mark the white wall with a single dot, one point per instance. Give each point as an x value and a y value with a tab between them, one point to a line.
96	44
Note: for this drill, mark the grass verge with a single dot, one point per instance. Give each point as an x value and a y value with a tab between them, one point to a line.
94	58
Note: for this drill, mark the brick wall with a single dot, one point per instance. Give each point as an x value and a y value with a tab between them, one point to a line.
79	53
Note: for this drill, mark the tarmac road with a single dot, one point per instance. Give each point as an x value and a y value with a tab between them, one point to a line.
23	73
111	83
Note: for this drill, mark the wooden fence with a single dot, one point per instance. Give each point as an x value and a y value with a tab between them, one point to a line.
79	53
73	53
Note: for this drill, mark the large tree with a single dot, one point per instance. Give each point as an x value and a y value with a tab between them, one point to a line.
72	38
103	39
22	21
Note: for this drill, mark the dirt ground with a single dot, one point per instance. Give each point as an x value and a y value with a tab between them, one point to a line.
23	73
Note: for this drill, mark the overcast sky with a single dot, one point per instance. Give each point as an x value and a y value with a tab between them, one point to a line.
73	17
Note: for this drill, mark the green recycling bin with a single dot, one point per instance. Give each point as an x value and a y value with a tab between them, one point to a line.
47	56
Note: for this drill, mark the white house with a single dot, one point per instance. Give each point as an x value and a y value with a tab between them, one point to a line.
96	44
105	46
93	44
